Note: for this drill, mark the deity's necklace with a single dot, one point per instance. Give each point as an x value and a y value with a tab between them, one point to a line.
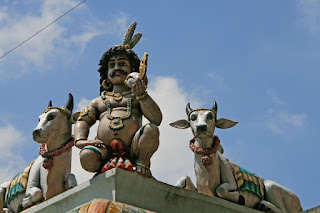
116	122
118	96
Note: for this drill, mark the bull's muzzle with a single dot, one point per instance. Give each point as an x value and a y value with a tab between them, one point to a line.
202	128
36	133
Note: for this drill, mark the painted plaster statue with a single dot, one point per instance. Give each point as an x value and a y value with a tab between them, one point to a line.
105	205
121	141
50	174
219	177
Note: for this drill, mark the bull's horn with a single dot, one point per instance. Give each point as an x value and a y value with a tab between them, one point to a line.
215	106
188	109
69	104
50	104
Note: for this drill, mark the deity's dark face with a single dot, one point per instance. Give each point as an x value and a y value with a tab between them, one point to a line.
118	69
108	60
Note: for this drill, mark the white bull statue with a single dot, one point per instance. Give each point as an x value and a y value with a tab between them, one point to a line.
217	176
50	174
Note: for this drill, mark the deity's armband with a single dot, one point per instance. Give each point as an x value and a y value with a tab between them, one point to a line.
87	116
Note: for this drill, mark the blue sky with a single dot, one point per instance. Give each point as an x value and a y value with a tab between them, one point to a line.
258	59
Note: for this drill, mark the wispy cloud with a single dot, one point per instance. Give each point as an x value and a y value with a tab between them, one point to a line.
309	14
11	162
279	119
275	98
218	80
3	14
53	43
283	121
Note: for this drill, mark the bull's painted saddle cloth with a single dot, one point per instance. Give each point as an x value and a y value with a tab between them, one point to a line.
247	181
18	184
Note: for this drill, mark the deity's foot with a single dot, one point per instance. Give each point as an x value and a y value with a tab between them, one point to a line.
143	170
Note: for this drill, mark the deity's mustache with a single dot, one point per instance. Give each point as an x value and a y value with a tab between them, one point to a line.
118	70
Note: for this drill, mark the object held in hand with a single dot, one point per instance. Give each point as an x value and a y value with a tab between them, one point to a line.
132	77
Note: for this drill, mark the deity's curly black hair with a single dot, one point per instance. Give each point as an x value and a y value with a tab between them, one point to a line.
116	50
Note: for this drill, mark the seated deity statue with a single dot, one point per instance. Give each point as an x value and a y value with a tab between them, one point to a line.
122	141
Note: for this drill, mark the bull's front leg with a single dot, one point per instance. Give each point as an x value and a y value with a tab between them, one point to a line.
205	189
70	181
229	192
3	189
33	196
204	179
33	192
186	183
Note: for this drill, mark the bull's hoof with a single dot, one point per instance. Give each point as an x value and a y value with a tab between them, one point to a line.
241	200
20	208
263	208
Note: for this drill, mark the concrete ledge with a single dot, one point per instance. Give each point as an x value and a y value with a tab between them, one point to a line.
130	188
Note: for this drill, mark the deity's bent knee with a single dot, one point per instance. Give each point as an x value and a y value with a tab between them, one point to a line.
91	158
145	140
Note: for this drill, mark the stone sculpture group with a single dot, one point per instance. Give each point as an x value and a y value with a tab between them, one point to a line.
123	142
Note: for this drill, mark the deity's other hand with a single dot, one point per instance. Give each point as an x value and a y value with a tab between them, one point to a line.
96	143
139	87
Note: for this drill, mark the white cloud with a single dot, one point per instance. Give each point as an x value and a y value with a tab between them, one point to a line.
281	121
173	159
53	43
82	104
11	162
310	14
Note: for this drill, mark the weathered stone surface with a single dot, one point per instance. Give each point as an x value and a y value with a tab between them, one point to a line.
313	210
132	189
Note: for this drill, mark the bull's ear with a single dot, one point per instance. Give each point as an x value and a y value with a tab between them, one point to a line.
74	117
221	149
181	124
223	123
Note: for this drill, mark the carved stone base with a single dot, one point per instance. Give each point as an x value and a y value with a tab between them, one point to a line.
132	189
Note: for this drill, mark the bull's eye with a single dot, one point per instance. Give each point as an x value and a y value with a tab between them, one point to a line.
193	117
50	117
210	116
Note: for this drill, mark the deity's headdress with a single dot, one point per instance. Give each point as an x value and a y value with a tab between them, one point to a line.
129	41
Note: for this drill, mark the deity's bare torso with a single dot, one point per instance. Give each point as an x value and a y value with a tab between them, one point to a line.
120	109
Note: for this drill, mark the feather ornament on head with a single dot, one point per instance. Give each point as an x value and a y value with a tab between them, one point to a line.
131	40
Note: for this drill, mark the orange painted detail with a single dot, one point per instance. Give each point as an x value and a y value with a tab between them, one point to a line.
121	163
98	206
102	205
84	209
